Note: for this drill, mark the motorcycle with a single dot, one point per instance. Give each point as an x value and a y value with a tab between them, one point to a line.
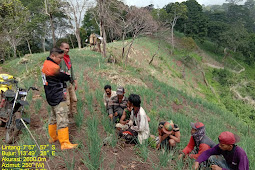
12	109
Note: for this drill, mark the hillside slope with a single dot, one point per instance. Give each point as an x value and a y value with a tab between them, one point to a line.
169	89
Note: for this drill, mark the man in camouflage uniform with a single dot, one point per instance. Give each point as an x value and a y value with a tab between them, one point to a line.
67	67
53	80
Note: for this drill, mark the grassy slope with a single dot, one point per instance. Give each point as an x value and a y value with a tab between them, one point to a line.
165	94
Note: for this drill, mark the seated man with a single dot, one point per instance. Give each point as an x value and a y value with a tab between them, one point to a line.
169	134
117	104
109	93
198	140
123	124
138	123
225	155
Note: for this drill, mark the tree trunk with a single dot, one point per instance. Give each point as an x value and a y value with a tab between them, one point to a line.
43	44
129	50
78	37
14	51
28	45
71	41
43	38
102	28
155	53
123	46
172	32
53	31
104	43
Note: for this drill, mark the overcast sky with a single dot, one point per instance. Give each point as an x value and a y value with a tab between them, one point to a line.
162	3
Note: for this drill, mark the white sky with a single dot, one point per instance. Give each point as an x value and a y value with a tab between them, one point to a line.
162	3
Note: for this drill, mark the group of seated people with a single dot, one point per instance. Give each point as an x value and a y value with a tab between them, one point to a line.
133	124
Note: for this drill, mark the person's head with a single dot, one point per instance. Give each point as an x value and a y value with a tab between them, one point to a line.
120	92
56	54
195	127
108	89
135	102
65	47
168	127
227	140
197	131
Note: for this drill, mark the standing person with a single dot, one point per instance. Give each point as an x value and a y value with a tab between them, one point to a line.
169	134
67	67
117	104
53	81
198	140
138	123
225	155
108	94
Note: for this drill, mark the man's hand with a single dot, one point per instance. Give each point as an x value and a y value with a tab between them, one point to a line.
195	165
75	84
216	167
127	121
135	128
116	114
129	108
180	156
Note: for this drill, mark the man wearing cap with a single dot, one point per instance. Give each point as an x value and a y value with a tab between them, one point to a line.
117	104
198	140
169	134
225	155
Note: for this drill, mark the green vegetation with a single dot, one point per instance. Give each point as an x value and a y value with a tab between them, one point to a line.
164	97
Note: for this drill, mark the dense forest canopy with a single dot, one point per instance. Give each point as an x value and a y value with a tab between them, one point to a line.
36	26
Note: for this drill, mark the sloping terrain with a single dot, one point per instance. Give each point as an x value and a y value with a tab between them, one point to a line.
170	88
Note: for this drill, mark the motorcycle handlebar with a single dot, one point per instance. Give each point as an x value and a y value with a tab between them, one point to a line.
33	88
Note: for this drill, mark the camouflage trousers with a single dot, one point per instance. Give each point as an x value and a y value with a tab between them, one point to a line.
59	115
71	99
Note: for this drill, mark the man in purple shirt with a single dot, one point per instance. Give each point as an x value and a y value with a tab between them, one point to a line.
225	155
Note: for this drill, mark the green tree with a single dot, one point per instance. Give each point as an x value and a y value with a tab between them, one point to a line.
196	23
36	27
89	23
54	9
13	22
240	14
235	38
174	12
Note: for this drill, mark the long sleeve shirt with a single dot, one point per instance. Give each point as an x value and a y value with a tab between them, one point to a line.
65	69
142	125
236	159
191	145
115	106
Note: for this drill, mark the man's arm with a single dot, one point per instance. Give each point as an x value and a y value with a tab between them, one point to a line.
243	162
189	147
206	154
75	84
62	76
202	147
110	106
123	117
177	137
142	124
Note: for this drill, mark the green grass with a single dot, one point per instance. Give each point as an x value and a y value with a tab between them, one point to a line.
156	100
